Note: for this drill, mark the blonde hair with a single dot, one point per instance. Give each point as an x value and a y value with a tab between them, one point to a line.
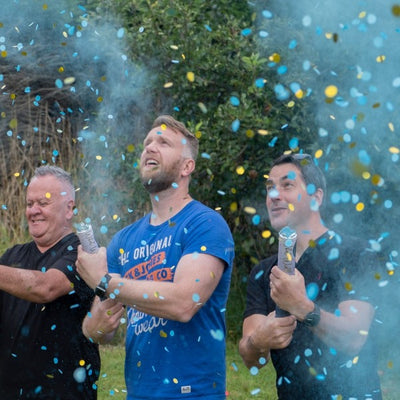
176	126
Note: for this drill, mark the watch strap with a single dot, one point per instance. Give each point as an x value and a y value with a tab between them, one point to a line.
101	288
313	317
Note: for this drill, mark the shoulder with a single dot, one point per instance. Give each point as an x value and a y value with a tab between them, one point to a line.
197	211
16	251
263	269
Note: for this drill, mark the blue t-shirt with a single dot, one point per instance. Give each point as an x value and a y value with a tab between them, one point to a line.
167	359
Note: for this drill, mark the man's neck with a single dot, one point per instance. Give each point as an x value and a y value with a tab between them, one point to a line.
167	204
304	237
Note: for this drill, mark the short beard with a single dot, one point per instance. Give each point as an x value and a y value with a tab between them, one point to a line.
162	180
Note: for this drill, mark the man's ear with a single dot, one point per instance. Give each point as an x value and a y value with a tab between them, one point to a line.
319	196
70	208
188	166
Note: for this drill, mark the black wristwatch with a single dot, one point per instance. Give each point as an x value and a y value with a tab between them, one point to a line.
313	317
101	288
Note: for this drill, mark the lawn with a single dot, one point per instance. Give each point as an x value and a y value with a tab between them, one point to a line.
241	385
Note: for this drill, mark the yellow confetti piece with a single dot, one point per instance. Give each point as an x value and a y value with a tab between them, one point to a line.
348	286
240	170
380	59
139	364
319	153
360	207
174	47
391	126
394	150
390	364
45	7
299	94
115	217
376	179
130	148
13	96
82	363
16	174
312	371
263	132
168	85
291	104
203	248
190	76
157	295
4	54
163	127
266	234
61	69
366	175
275	57
250	210
355	360
234	206
99	158
362	14
250	133
212	275
202	107
47	195
13	124
121	251
163	334
331	91
363	333
198	134
69	80
396	10
377	276
175	380
100	99
291	207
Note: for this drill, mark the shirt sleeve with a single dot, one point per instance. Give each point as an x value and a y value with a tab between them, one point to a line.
258	299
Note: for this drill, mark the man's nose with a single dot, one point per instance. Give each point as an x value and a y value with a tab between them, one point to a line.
273	194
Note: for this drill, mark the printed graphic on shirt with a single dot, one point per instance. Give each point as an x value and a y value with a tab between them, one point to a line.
152	268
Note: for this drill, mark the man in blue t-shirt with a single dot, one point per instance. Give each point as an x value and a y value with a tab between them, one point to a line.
172	270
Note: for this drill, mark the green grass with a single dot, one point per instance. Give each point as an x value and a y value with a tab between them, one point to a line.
241	385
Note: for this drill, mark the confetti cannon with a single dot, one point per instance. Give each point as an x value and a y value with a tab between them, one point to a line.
286	259
86	237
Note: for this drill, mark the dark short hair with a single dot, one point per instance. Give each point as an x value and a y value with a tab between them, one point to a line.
177	126
310	171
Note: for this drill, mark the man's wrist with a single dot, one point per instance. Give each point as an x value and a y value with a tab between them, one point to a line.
254	347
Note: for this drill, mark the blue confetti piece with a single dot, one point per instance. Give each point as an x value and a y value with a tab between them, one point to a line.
260	82
234	101
312	290
246	32
235	125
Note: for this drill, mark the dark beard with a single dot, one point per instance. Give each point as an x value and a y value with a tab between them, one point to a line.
156	184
